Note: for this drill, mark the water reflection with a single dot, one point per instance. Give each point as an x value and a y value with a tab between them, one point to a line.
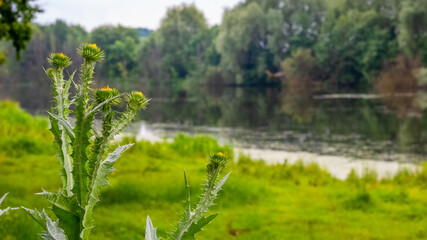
290	119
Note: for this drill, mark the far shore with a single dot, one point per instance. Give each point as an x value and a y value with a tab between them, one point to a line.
338	166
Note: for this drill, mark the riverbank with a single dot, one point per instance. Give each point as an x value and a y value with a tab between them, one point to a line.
340	166
259	201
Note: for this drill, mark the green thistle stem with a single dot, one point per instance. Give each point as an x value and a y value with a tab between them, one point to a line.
62	94
82	129
101	144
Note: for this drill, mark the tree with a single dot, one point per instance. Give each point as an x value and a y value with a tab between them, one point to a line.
122	58
57	37
242	44
355	40
176	30
413	28
149	60
169	52
15	22
202	52
120	45
257	35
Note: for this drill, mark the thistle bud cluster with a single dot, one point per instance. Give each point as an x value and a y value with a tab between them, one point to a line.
90	52
106	93
59	60
137	100
217	161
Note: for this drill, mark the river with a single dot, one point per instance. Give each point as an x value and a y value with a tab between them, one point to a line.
340	131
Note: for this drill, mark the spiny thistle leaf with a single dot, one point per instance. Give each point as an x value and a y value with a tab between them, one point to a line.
218	186
67	211
99	106
61	201
69	222
63	154
4	210
150	231
52	230
64	123
36	215
68	82
99	180
197	227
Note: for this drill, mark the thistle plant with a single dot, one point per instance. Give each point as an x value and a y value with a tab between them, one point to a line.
85	159
82	149
192	221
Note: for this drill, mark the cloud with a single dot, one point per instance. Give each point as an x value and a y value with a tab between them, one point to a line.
132	13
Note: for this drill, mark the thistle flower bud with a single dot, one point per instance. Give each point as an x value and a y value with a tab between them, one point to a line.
59	60
107	93
91	52
137	100
217	160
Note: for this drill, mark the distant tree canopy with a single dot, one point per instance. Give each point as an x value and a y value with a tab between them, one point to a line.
343	43
15	22
257	35
169	44
120	47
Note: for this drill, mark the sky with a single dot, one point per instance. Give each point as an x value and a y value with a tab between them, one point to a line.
129	13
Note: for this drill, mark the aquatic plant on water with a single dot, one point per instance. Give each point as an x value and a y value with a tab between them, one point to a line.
85	161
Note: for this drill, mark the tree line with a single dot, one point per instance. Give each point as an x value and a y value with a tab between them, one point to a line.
340	43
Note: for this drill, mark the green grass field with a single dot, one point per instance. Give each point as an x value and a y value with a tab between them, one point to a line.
259	201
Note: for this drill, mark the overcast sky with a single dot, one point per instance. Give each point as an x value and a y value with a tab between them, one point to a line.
130	13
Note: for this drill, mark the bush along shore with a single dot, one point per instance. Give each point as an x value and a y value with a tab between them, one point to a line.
259	201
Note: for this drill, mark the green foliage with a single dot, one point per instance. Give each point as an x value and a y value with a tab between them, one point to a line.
257	35
15	22
176	30
198	145
412	26
238	51
355	41
300	70
21	133
168	51
121	45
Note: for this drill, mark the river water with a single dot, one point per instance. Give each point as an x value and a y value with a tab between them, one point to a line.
340	131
